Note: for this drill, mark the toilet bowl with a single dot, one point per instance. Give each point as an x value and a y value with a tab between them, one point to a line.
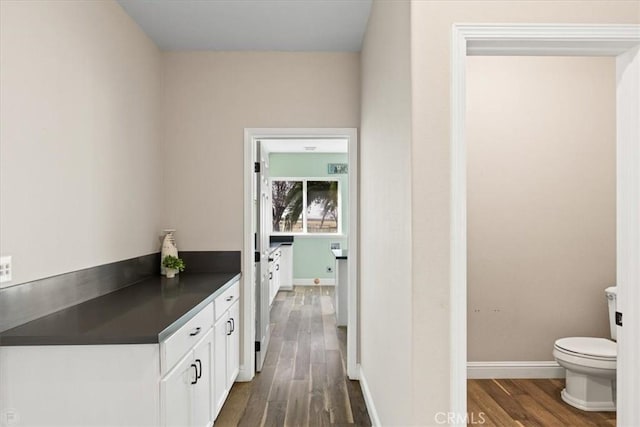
590	365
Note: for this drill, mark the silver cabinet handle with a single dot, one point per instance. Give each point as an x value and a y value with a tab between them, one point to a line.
195	332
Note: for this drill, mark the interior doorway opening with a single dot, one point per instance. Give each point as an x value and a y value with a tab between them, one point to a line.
623	43
319	207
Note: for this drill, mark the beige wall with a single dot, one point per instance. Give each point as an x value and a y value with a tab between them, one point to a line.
541	203
80	166
431	31
209	98
385	212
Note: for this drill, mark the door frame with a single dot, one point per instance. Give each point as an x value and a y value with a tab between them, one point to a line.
247	368
623	43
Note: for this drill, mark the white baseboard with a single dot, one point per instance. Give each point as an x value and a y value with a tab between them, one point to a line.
245	375
310	282
487	370
368	400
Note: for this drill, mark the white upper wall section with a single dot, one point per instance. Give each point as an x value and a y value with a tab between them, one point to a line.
262	25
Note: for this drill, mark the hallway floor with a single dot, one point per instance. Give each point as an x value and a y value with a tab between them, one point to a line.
303	381
528	402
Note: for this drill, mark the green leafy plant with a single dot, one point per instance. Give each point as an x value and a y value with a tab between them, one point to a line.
174	263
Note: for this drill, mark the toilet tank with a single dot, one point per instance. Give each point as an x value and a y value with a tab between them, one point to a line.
612	296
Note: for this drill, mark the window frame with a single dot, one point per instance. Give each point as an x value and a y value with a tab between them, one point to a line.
305	232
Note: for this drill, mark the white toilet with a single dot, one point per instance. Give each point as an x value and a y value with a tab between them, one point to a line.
590	364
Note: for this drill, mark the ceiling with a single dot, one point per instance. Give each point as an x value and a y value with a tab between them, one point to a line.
259	25
336	145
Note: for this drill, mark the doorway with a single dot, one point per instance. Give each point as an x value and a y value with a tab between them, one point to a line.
254	255
623	43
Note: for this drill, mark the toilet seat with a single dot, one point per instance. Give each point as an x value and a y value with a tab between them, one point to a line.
588	347
586	352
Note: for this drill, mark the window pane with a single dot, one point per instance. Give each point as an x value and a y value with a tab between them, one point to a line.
322	206
286	197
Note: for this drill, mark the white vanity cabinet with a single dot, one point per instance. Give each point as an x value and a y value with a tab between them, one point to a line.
226	345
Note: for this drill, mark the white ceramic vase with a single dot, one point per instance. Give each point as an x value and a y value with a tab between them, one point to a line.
168	248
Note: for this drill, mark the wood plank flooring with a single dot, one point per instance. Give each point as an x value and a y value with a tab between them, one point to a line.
303	381
527	402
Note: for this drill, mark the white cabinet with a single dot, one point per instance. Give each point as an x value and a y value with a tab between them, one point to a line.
226	345
272	267
175	390
186	389
342	291
202	393
274	274
233	345
220	391
286	267
181	381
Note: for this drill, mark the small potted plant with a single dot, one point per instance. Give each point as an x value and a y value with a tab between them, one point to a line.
173	265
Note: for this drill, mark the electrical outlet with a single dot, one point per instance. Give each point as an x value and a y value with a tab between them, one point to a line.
335	245
5	269
329	269
10	417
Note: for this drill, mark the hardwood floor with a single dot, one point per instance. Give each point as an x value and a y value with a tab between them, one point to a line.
303	381
527	402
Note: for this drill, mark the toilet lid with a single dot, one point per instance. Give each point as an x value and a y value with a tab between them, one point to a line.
595	347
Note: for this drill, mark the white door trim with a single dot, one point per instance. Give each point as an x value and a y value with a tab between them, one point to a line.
247	369
621	41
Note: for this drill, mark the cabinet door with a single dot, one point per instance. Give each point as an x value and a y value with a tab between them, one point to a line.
277	278
202	394
220	331
176	393
286	268
233	345
271	293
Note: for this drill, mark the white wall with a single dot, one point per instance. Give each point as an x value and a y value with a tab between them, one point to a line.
209	98
541	202
80	160
385	212
431	36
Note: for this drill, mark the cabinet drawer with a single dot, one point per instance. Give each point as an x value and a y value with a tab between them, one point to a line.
177	345
224	301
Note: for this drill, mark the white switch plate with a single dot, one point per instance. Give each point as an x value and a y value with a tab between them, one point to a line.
5	269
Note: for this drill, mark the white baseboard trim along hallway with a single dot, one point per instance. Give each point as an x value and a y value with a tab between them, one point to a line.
368	401
534	369
310	282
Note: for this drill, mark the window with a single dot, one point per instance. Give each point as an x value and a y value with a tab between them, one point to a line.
305	206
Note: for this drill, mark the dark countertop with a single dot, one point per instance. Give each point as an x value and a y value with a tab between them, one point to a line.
146	312
340	253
